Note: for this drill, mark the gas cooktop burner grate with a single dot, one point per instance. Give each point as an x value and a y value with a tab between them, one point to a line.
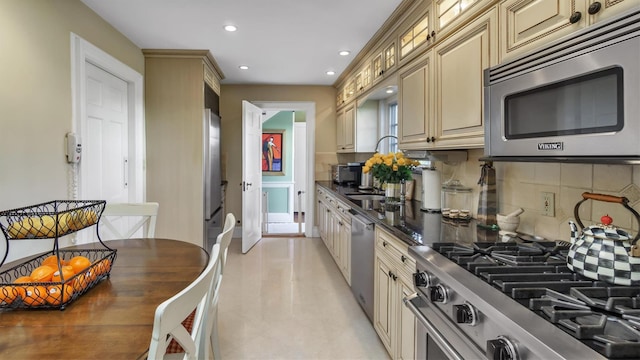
604	317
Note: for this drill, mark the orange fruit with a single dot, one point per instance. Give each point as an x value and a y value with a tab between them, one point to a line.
79	263
55	296
42	273
34	295
53	261
67	273
8	294
90	275
81	282
103	266
21	280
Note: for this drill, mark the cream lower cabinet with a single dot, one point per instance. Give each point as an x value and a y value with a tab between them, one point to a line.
343	241
459	101
334	226
528	24
394	323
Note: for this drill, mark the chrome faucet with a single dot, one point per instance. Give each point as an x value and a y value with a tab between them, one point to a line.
382	138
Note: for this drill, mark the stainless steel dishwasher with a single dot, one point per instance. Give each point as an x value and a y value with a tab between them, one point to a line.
362	261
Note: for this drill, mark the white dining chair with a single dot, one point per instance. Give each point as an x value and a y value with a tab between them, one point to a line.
224	239
167	325
123	220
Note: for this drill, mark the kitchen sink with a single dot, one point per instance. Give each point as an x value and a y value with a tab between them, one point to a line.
361	197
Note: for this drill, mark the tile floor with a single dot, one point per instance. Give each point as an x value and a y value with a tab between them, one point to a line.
286	299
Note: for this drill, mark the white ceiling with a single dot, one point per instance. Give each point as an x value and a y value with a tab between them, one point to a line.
282	41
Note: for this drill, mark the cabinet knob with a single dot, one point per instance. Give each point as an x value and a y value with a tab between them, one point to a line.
433	33
594	8
394	277
433	139
384	244
403	258
428	139
575	17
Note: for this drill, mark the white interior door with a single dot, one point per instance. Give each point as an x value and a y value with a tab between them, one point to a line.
300	168
251	175
104	167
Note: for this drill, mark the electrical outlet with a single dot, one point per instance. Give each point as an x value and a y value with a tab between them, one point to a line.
548	204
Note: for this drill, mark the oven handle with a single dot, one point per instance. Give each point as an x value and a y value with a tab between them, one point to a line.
437	337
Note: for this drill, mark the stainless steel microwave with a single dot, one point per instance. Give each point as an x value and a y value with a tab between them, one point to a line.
576	97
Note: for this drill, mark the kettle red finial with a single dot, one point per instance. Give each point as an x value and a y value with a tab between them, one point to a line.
606	220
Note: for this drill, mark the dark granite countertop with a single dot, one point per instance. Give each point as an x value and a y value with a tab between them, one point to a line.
409	223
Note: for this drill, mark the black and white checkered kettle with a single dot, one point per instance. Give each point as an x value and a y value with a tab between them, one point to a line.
602	251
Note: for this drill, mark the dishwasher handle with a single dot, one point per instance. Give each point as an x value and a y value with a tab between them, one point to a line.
361	219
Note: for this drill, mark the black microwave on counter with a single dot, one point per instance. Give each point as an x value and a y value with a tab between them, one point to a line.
346	174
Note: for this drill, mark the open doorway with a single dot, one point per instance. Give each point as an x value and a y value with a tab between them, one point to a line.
287	187
283	173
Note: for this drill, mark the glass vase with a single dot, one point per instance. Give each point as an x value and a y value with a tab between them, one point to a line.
394	192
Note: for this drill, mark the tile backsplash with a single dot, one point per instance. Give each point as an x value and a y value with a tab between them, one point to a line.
520	185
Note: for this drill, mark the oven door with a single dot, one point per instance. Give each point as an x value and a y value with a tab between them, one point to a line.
436	336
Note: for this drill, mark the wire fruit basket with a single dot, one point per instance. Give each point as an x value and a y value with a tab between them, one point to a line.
56	278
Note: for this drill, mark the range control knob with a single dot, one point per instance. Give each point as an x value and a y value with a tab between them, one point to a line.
422	279
465	314
438	294
501	349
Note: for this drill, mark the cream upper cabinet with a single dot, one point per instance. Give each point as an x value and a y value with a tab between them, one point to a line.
459	63
528	24
416	38
340	97
449	14
604	9
350	90
363	78
384	62
345	123
415	103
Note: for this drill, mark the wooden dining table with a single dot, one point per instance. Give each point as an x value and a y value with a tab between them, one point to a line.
114	319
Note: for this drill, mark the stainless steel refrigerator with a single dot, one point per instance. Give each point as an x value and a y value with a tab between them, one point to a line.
213	212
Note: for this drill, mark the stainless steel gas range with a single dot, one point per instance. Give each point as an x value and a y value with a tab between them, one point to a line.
482	298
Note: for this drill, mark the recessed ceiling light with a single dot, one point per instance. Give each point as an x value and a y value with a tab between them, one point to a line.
331	72
344	52
243	67
230	28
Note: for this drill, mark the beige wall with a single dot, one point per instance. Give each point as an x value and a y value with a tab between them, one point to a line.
231	114
35	92
520	185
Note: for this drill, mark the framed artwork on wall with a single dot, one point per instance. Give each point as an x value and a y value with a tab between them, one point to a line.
273	152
